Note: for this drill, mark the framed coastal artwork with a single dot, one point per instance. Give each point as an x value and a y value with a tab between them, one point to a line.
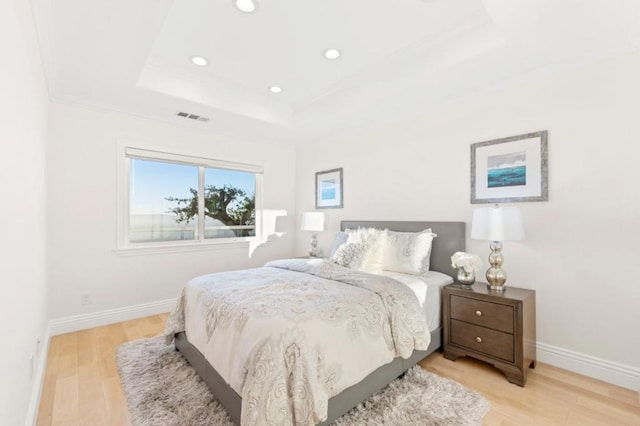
510	170
329	189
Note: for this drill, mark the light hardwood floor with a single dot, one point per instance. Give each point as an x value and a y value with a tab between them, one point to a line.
82	385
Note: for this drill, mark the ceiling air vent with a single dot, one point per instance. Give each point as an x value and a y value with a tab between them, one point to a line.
192	116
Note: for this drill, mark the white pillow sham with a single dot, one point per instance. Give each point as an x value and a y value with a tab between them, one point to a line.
408	252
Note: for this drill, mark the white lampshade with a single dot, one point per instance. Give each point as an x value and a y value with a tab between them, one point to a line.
312	221
497	224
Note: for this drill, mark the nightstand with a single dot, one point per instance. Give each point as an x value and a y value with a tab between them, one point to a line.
495	327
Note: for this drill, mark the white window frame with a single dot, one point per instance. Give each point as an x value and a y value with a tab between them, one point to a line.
127	151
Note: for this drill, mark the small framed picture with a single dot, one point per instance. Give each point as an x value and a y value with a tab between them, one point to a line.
510	170
329	189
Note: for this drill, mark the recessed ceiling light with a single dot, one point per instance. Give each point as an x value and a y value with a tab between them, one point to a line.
246	6
200	61
275	89
331	54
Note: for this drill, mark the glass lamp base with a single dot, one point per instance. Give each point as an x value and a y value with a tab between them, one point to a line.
313	249
496	276
498	288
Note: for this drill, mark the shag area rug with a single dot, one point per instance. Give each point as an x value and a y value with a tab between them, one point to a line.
162	389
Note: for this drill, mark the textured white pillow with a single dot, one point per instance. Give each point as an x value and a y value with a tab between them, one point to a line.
349	255
408	252
341	238
363	250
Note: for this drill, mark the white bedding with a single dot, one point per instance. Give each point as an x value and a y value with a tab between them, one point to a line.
289	336
428	290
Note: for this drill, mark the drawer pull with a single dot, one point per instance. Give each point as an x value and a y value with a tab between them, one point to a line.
479	313
479	339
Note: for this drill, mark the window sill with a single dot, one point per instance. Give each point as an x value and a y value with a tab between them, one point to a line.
182	248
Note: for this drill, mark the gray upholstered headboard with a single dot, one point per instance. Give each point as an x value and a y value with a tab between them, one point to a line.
451	238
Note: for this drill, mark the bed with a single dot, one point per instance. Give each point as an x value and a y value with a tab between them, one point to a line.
450	238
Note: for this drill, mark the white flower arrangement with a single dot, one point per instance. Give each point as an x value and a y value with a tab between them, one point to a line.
470	262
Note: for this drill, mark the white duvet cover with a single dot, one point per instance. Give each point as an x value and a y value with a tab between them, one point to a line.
292	334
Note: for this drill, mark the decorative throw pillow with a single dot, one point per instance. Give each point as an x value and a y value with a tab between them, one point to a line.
349	255
341	238
363	250
408	252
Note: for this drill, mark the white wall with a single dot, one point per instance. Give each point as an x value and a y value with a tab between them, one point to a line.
23	138
82	210
581	248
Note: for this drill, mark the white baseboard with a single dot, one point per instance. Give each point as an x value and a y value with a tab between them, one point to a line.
622	375
38	379
83	322
111	316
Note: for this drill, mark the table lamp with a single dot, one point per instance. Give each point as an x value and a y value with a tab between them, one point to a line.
313	221
497	224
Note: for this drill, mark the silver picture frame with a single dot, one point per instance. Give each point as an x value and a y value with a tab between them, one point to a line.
329	189
510	170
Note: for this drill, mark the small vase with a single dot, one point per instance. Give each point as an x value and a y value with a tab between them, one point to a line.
466	278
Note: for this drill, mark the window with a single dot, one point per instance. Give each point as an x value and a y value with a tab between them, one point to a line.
173	200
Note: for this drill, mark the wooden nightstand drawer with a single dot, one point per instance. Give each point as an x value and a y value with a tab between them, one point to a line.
481	339
485	314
